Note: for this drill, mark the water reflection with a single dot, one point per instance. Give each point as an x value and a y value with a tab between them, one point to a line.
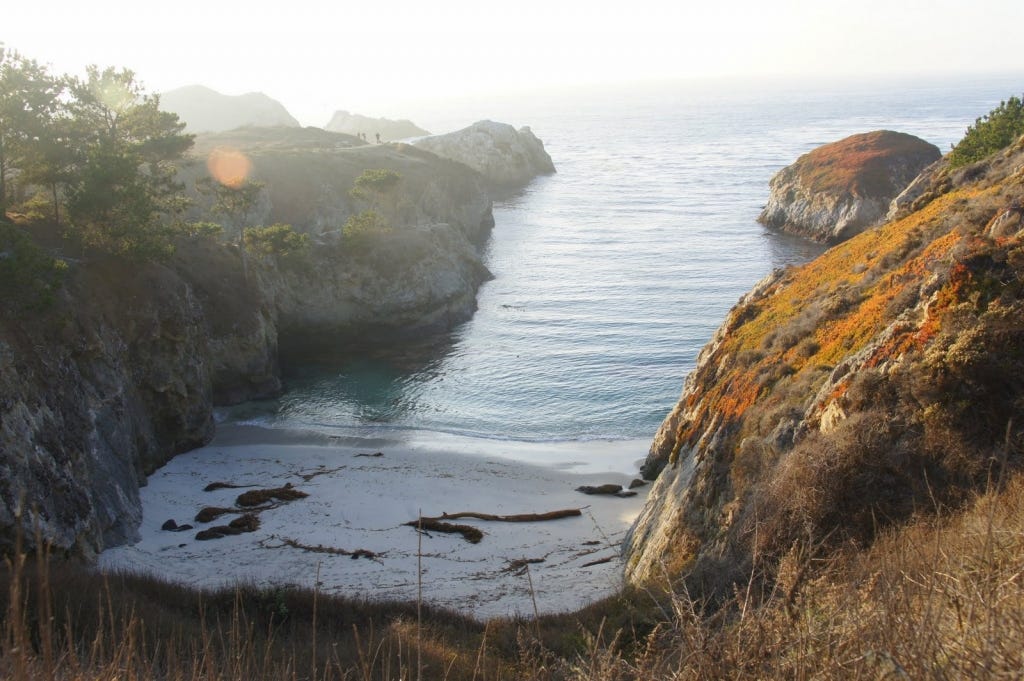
786	249
363	381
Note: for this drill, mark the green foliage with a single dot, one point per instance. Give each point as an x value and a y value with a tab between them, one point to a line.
29	278
994	131
375	181
201	230
125	189
29	101
234	202
361	231
278	241
375	187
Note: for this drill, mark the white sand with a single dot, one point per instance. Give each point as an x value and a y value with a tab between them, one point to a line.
358	502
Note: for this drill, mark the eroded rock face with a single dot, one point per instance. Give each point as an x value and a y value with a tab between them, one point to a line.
840	189
505	156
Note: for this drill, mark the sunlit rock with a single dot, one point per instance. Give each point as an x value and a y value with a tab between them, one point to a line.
842	188
503	155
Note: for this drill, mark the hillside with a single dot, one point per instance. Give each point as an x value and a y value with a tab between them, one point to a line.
842	397
206	110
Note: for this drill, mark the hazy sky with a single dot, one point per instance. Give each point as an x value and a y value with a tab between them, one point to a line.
377	56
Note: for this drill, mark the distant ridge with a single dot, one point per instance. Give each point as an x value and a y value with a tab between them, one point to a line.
206	110
389	130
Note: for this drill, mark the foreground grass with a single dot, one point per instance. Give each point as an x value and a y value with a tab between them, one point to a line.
939	598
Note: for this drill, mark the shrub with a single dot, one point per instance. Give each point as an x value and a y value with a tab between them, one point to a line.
362	230
29	278
994	131
203	229
278	241
375	181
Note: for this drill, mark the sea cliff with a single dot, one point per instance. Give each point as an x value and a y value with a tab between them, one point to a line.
840	396
121	371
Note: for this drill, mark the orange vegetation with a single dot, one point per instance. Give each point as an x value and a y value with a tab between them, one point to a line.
859	164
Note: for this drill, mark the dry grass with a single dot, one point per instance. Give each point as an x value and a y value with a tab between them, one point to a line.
942	598
939	598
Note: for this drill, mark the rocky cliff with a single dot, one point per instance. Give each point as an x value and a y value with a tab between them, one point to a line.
838	398
98	391
206	110
122	371
842	188
506	157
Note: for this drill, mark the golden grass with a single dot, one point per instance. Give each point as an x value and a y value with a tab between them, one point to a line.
939	598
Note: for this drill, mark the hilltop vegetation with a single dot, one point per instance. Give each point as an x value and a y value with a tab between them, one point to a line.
96	153
992	132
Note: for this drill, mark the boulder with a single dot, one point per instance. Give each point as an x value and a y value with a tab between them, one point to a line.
840	189
506	157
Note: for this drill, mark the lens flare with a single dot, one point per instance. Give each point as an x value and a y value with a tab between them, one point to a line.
229	166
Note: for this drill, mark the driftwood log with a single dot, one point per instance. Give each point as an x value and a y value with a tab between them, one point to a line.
320	548
468	532
516	518
472	534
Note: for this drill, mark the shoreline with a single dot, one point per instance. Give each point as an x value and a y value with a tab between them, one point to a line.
361	502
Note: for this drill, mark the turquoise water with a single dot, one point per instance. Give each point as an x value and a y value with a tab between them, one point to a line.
612	274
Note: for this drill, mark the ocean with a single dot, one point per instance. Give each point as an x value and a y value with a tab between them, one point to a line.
610	275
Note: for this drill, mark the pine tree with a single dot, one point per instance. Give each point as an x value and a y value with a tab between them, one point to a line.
126	189
29	101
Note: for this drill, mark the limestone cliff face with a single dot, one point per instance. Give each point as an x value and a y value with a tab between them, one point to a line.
505	156
842	188
123	371
845	395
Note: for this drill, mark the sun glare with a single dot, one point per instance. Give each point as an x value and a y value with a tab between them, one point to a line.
229	166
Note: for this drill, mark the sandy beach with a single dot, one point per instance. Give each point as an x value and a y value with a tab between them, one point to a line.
359	501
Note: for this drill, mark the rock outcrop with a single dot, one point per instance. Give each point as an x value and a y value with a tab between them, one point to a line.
389	130
123	371
423	274
846	395
206	110
506	157
840	189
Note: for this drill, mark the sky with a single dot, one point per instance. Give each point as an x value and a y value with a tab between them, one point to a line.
380	57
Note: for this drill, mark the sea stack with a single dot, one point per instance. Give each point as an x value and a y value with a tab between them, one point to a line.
840	189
